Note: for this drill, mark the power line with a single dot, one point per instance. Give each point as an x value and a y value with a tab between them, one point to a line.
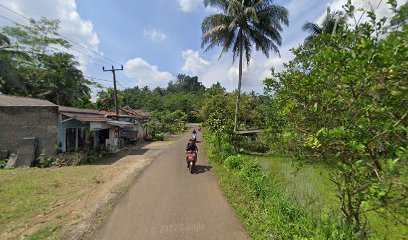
93	57
62	36
100	79
49	70
59	50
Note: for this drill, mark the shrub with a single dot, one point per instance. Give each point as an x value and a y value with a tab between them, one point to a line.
3	163
159	136
252	144
70	159
43	161
235	162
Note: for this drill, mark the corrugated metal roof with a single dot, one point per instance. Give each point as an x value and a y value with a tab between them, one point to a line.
15	101
82	114
121	124
112	114
85	117
77	110
137	112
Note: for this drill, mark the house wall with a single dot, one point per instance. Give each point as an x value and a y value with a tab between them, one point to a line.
18	122
141	132
64	125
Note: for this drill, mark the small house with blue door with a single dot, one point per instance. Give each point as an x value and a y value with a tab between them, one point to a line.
81	128
87	128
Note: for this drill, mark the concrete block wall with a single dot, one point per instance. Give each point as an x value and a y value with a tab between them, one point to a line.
18	122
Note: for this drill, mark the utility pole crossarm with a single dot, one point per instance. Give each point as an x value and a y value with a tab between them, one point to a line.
113	70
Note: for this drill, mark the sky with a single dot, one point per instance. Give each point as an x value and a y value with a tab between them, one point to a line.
155	40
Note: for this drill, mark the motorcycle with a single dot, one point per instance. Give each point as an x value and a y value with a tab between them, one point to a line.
191	160
194	137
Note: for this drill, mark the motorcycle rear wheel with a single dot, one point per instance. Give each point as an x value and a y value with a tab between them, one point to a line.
191	167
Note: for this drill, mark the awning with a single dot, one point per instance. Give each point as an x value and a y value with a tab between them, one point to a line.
121	124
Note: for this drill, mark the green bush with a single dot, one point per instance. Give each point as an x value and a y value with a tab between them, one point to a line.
342	101
234	162
256	146
43	161
3	163
70	159
159	136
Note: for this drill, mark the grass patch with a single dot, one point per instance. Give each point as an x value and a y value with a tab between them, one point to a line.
267	209
310	184
46	233
29	196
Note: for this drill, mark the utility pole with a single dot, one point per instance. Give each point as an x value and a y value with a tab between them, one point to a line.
113	70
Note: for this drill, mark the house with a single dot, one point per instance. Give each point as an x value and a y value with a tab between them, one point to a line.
87	128
81	128
137	117
26	125
142	119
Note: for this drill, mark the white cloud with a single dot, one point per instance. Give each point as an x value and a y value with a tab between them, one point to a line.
193	62
190	5
226	72
154	34
380	7
146	74
194	5
71	25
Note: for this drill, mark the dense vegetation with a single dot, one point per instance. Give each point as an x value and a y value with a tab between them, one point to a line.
33	64
341	103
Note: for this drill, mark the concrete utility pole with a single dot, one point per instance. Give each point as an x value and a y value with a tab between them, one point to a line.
113	70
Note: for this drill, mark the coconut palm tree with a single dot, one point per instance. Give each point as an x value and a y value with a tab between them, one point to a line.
332	22
242	25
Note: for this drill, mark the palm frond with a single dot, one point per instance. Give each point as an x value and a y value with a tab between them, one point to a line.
312	28
219	4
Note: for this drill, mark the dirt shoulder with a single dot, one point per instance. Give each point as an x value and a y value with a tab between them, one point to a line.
68	202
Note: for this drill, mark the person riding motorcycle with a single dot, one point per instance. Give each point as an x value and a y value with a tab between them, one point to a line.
191	147
194	136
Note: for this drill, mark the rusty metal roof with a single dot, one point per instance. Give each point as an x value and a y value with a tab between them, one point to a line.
137	112
77	110
15	101
121	124
112	114
83	115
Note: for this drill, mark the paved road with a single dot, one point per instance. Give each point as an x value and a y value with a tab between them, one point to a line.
167	202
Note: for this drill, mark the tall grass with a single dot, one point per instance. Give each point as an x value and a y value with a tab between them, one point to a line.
311	186
265	206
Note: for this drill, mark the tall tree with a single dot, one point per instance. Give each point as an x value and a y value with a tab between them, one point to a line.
185	83
44	70
105	99
10	81
332	22
241	25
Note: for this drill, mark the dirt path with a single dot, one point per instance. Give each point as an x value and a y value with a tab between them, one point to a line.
167	202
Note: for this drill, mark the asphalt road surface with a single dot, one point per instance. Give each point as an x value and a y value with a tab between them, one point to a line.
167	202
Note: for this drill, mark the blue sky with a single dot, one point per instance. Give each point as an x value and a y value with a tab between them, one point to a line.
157	39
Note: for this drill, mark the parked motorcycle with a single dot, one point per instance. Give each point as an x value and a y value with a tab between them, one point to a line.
191	160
